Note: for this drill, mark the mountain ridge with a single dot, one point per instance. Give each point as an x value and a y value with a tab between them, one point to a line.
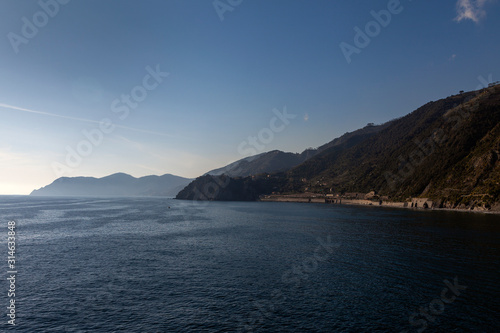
278	161
117	184
447	150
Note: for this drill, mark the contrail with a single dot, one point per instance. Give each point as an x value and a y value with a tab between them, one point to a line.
12	107
47	113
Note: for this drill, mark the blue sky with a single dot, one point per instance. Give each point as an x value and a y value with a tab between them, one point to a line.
202	77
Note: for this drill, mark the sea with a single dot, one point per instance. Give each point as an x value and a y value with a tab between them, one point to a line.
164	265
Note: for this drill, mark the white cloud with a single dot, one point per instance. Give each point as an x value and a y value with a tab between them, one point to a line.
471	10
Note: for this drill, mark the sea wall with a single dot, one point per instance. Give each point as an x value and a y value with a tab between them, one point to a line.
293	198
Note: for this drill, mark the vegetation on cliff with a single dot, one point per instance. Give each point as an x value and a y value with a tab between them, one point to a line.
447	150
224	188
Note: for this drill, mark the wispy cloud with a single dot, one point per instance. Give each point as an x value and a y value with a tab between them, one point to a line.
16	108
471	10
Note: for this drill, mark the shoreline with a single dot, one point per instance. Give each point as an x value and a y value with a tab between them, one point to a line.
425	204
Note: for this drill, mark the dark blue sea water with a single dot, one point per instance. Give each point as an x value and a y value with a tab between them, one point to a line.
136	265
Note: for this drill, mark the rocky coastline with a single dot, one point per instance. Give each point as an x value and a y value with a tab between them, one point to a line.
370	199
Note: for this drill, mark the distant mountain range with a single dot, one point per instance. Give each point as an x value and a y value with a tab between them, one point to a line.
447	150
276	160
118	184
